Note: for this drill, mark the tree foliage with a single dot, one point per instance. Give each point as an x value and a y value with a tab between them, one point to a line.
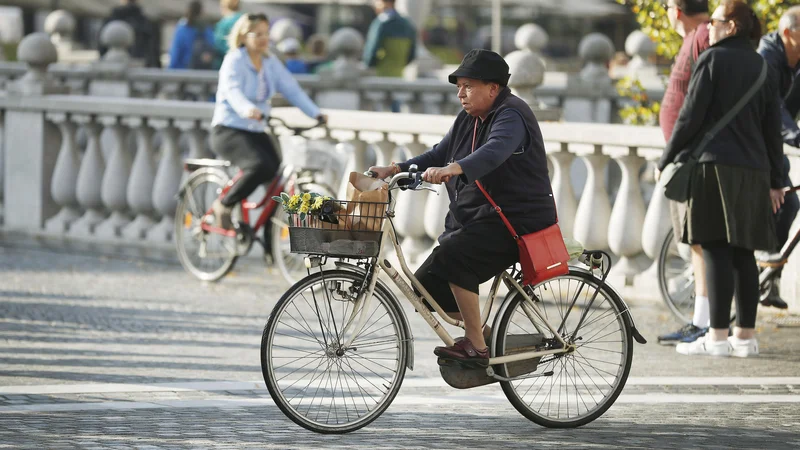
652	17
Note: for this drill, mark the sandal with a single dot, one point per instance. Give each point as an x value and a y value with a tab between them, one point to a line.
464	352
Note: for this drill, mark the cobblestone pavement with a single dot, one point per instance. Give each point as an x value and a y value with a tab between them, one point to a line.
99	352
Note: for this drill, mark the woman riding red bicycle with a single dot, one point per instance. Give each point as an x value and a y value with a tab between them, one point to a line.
248	79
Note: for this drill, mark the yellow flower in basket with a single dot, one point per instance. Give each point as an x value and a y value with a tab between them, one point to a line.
305	207
306	197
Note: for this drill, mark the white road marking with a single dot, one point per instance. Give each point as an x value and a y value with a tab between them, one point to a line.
212	386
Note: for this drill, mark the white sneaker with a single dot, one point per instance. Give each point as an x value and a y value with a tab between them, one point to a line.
704	346
743	348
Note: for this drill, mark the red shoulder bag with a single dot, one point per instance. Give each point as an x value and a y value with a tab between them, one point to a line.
543	254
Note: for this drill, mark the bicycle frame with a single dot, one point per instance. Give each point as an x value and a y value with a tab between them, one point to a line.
285	182
380	263
771	268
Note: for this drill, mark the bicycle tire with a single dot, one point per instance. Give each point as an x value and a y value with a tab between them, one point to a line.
506	320
279	389
185	256
681	305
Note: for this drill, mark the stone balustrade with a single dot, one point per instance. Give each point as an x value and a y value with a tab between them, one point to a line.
122	188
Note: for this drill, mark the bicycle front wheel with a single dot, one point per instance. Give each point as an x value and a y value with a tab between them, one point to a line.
314	379
569	389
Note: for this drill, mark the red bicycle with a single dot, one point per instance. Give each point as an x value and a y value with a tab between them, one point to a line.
208	252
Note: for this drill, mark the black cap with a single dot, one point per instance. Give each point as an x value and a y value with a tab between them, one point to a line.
483	65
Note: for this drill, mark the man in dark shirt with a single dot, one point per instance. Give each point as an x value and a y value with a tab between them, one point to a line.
690	19
781	50
495	140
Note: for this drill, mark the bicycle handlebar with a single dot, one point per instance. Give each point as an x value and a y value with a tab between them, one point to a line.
295	130
414	176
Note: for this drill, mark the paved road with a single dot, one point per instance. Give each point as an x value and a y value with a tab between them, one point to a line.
125	353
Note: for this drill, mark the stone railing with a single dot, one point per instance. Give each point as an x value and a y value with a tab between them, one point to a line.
119	182
585	97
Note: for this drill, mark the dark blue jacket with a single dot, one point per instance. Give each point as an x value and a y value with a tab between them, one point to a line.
180	54
772	50
509	160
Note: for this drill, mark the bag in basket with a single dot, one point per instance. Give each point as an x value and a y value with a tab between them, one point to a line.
367	198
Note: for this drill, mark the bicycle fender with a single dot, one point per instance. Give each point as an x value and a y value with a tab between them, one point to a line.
409	337
637	336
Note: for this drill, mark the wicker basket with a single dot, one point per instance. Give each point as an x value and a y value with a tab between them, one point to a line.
340	229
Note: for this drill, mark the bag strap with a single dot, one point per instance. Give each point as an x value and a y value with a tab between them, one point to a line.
732	112
489	197
486	194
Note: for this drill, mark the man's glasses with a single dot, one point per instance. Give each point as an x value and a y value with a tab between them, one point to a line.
255	35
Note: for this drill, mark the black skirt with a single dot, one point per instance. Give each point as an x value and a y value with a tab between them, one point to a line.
726	204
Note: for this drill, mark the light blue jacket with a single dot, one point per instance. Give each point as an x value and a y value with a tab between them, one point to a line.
237	91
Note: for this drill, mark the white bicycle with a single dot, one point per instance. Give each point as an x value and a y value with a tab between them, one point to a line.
337	344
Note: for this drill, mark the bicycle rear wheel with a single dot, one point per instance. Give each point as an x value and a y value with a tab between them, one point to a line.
570	389
206	256
314	380
676	279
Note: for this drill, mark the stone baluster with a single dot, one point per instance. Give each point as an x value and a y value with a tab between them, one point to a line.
657	224
60	25
110	74
374	100
197	138
343	75
31	142
2	158
167	181
641	48
431	102
566	203
90	176
65	175
627	216
526	65
115	179
594	208
360	157
591	92
410	220
140	182
385	150
436	208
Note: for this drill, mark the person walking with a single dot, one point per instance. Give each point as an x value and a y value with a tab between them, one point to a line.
781	50
736	185
147	36
230	14
248	79
689	18
193	43
391	41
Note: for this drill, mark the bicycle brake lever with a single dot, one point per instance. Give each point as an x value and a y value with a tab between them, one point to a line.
428	187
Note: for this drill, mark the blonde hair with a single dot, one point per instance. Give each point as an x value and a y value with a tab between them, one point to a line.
240	29
232	5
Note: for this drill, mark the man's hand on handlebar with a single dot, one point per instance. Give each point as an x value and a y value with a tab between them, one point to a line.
322	119
438	175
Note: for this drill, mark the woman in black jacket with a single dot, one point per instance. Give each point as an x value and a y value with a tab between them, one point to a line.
736	187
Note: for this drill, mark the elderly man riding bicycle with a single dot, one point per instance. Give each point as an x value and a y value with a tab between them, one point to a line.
496	141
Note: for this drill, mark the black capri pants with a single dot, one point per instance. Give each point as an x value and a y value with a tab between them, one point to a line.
468	257
253	153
